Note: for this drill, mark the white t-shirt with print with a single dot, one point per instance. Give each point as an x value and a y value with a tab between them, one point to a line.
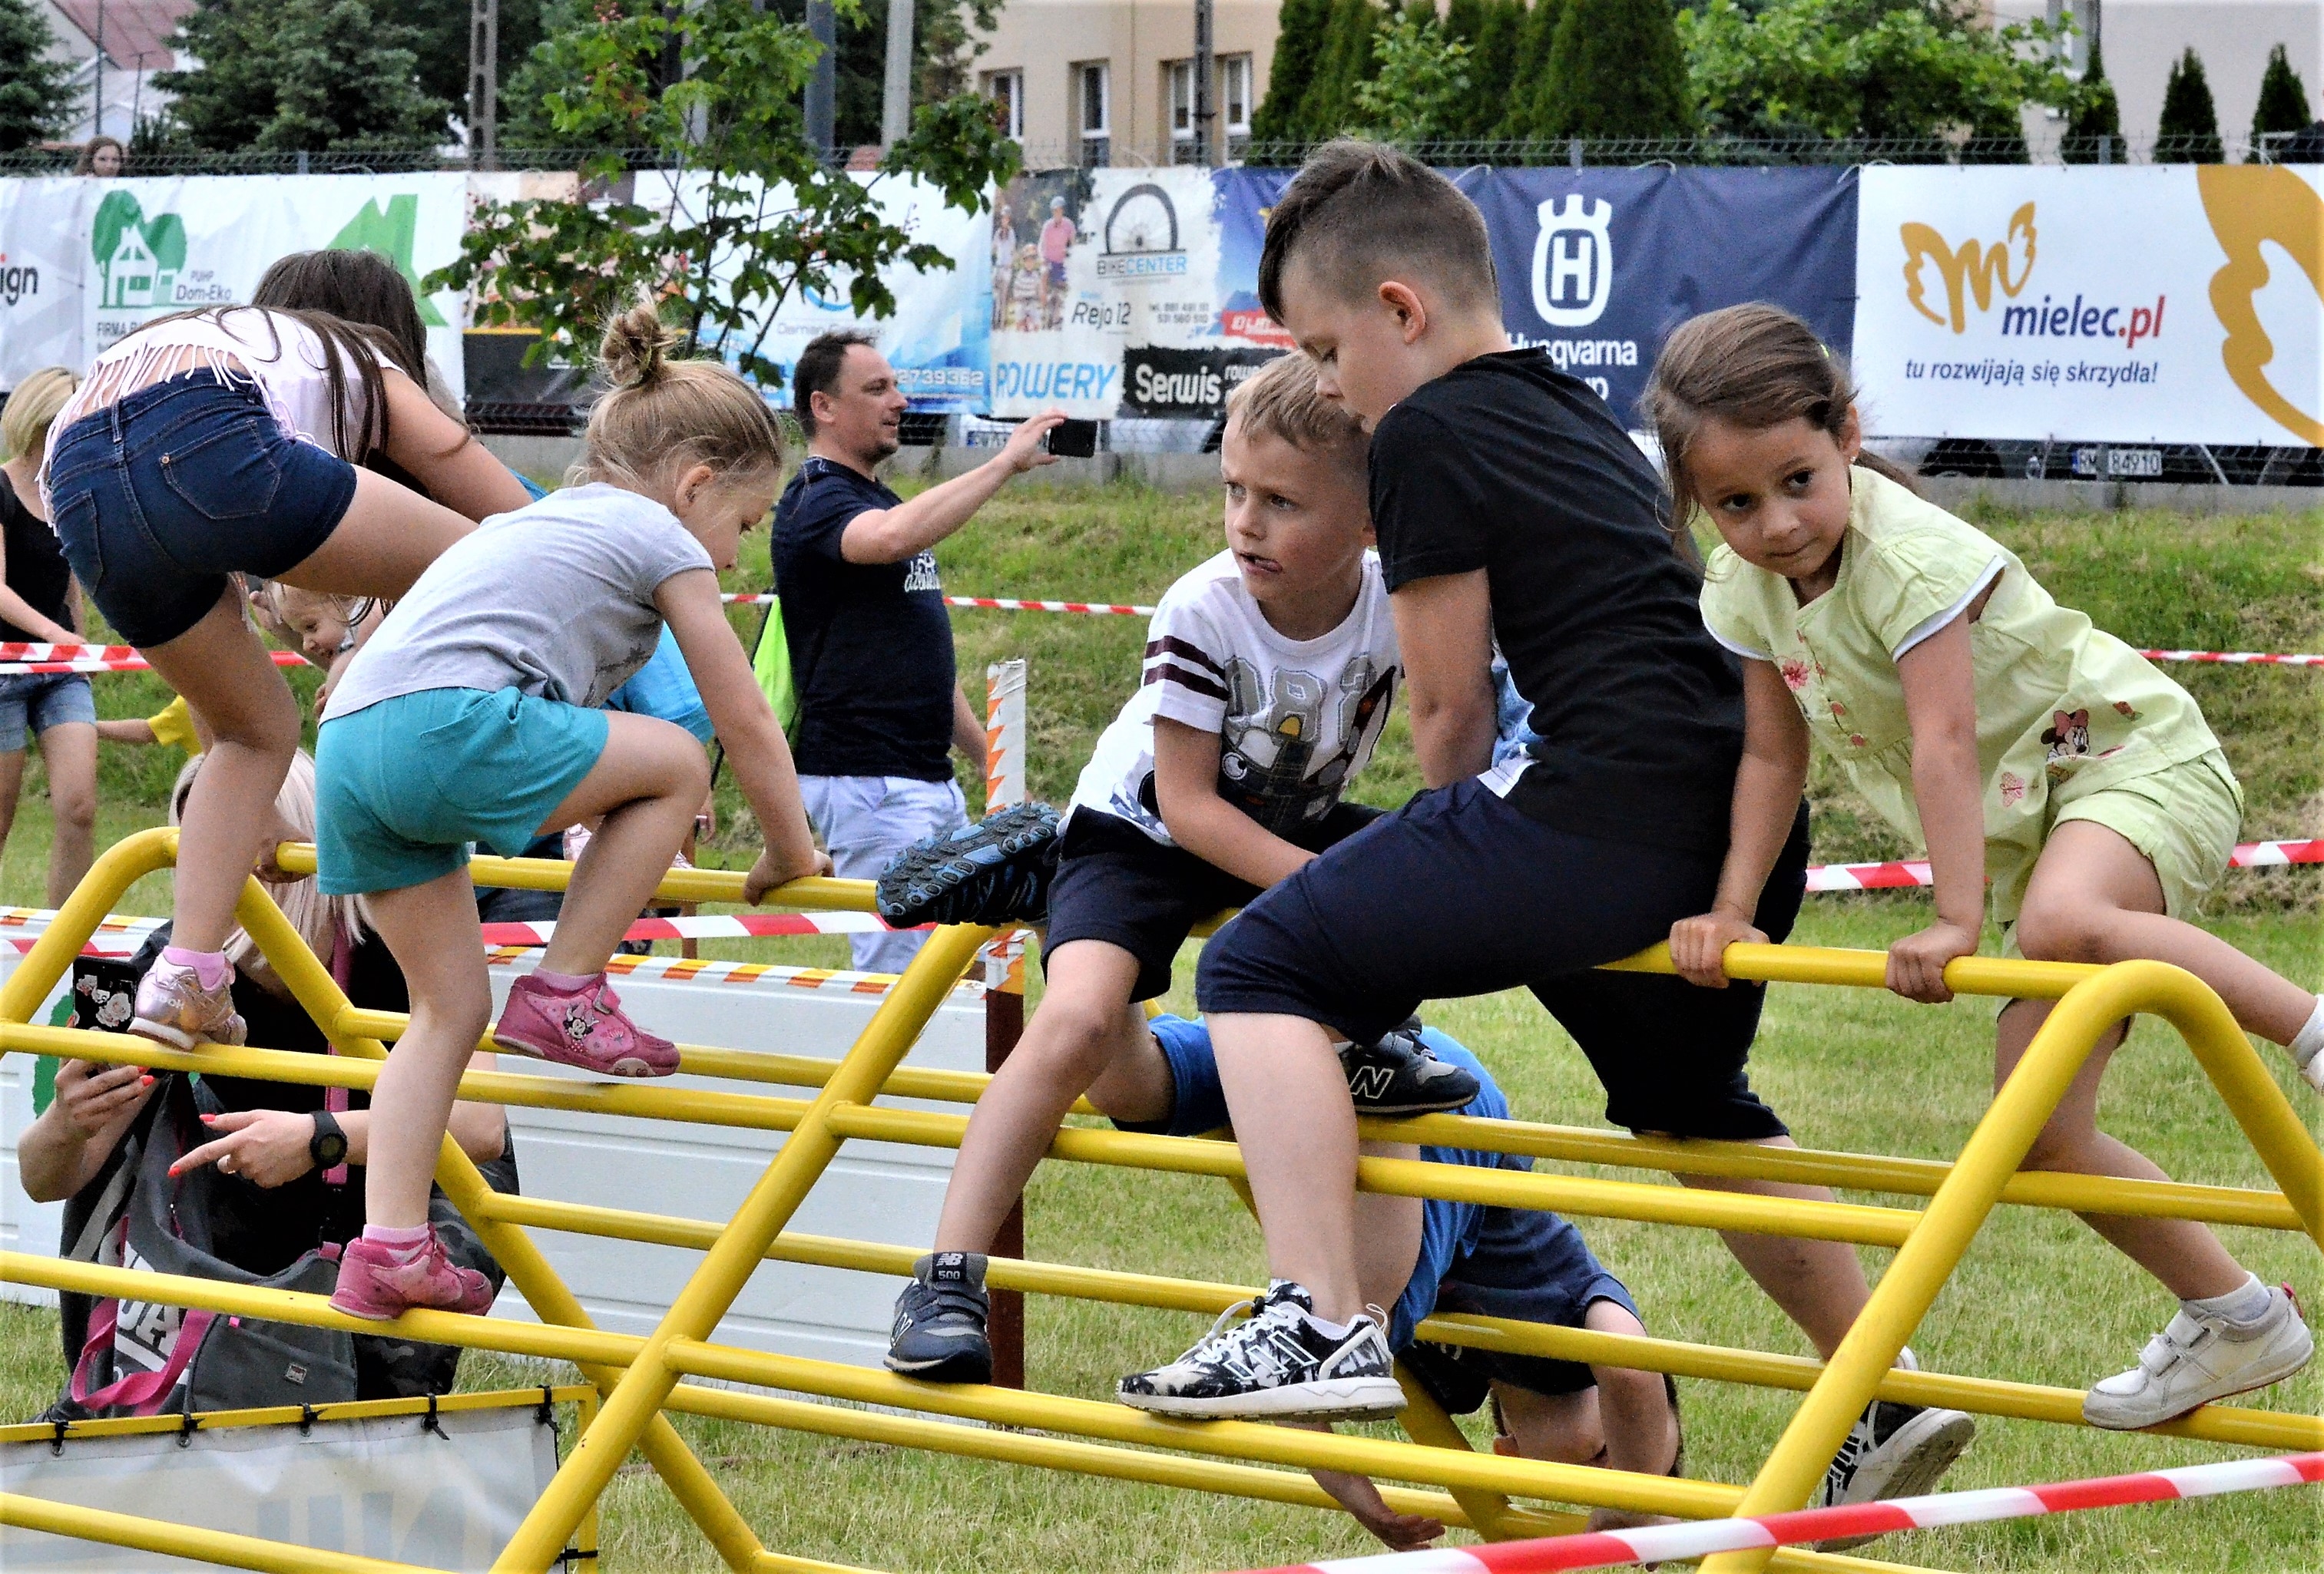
1297	719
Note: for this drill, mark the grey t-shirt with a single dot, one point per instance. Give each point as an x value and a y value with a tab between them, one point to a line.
556	599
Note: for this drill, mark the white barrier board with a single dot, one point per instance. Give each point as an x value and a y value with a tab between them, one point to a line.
875	1192
384	1487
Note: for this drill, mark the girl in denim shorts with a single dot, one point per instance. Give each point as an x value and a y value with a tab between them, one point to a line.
475	715
216	443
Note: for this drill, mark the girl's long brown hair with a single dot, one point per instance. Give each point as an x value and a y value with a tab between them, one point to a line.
1753	366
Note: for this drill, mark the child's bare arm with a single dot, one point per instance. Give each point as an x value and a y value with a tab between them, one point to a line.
135	729
1948	786
1186	785
754	743
1403	1533
1444	629
459	472
1767	786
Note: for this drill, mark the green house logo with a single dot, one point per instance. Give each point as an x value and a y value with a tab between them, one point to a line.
137	259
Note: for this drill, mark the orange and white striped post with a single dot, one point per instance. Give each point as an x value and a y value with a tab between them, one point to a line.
1004	997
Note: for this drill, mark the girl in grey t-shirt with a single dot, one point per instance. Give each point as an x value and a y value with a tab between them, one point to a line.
472	716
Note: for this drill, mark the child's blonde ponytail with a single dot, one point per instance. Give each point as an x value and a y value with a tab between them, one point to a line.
662	416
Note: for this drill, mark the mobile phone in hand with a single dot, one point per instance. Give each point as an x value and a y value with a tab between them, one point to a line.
1072	439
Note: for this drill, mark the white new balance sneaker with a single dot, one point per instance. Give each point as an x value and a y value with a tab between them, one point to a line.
1894	1450
2197	1359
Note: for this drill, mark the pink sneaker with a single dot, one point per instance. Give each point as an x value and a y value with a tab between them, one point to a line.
585	1028
377	1282
173	1008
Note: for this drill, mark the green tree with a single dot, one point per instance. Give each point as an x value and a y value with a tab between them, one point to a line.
2096	114
2283	100
36	93
1527	103
751	214
1305	29
443	27
282	76
1491	29
1616	70
2189	131
1420	82
1856	70
1329	105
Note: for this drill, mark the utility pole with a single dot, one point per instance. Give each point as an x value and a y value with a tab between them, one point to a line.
1205	68
896	95
822	88
484	83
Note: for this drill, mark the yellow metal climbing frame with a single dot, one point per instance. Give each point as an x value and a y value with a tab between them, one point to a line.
643	1380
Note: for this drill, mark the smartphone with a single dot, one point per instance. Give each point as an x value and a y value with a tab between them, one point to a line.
1071	439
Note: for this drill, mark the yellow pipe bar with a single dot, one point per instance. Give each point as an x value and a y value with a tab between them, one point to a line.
1847	1221
680	884
1994	1151
2262	1429
636	1400
116	869
154	1535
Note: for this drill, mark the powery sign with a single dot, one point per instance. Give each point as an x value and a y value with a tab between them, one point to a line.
2178	303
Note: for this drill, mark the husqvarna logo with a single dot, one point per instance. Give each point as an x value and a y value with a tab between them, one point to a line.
1574	261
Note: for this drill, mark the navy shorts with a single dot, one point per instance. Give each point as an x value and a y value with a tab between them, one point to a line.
161	495
1525	1264
1116	884
1459	893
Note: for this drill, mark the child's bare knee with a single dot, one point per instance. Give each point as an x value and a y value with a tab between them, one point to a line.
2061	932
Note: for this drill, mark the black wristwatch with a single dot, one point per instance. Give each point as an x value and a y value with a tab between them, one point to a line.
328	1146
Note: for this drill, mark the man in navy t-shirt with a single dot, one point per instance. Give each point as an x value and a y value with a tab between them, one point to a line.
864	613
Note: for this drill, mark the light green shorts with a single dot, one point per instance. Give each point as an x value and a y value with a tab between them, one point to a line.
2184	819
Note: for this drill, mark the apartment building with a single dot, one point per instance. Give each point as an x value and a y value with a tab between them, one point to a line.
1111	82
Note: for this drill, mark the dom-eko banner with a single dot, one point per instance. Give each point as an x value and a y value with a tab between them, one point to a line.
2174	303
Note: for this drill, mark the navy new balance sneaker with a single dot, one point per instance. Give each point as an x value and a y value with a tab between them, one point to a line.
939	1331
1399	1076
996	871
1277	1363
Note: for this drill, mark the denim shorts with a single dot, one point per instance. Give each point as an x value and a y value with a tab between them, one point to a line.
38	701
402	787
159	497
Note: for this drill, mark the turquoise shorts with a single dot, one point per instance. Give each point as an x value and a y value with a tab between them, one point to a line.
402	787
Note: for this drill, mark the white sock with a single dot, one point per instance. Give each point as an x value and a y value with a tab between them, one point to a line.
2247	1302
1328	1329
2310	1040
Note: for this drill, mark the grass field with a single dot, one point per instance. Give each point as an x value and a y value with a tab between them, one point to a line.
2039	1298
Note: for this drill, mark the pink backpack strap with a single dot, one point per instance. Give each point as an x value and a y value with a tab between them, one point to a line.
335	1099
142	1392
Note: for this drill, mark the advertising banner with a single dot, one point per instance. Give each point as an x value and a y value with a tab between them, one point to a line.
84	263
2174	303
937	338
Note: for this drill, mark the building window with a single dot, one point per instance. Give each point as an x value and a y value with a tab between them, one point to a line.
1092	110
1182	100
1234	94
1007	91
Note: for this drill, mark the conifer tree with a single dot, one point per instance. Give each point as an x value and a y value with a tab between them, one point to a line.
1528	94
1616	70
2095	116
36	93
2188	132
2283	100
1329	107
1491	29
301	75
1299	46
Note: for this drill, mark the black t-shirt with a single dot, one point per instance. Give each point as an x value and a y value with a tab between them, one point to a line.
1507	464
37	569
870	642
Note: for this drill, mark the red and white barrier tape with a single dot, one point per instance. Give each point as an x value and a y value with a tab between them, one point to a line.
1663	1543
679	970
2237	657
17	658
712	926
1001	604
1882	876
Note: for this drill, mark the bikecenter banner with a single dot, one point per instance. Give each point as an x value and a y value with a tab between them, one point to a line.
2172	303
85	262
938	338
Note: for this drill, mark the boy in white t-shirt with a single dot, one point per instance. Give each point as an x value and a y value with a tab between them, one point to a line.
1269	674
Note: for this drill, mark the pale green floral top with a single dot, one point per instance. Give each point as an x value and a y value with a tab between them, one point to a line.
2061	703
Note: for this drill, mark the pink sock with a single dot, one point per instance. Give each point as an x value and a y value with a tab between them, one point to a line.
565	984
209	966
402	1242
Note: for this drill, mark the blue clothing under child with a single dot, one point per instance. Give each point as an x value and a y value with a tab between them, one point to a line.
1521	1264
665	687
404	787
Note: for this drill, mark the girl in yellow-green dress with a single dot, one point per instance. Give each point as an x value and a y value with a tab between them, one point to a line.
2018	742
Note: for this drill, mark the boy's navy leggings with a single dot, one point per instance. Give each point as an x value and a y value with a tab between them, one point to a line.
1458	893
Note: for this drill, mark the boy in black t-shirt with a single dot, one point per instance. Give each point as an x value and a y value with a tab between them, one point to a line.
1511	509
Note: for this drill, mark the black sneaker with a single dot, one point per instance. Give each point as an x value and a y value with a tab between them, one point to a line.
1399	1076
1274	1365
996	871
939	1333
1894	1450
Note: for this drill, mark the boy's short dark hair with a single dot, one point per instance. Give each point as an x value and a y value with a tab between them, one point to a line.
817	370
1360	212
